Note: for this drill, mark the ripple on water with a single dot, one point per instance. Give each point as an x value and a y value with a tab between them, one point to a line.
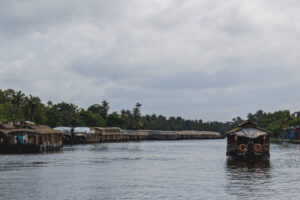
191	169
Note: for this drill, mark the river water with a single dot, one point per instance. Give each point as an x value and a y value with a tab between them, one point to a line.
186	169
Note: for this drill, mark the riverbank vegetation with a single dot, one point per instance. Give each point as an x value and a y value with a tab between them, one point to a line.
16	106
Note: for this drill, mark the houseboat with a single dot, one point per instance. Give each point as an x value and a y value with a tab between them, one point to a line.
85	135
135	135
67	134
109	134
248	142
27	137
80	135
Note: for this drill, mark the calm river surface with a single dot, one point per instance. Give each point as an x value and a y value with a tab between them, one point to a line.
186	169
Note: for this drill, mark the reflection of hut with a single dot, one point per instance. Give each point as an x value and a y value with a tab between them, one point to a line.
248	141
28	137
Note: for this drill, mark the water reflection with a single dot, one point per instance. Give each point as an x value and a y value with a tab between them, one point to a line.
188	169
234	164
247	179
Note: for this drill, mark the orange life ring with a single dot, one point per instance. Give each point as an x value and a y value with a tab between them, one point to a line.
257	147
243	147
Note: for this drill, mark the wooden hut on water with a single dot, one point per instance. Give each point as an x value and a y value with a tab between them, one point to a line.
163	135
85	135
27	137
109	134
135	135
188	134
248	142
114	134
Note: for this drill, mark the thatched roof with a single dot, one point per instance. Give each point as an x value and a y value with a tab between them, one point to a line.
29	123
47	131
188	132
64	129
107	128
33	131
86	130
38	127
248	129
7	126
103	130
158	132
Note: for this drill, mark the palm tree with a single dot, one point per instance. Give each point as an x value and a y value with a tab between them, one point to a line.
105	109
16	100
34	109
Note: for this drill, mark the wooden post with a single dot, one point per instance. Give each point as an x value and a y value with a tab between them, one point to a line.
235	138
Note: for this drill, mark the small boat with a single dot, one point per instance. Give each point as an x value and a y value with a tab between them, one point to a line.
248	142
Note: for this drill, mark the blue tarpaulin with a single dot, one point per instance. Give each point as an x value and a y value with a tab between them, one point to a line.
291	137
19	139
294	134
284	136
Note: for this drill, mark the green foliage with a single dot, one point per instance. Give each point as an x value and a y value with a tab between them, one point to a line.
34	109
16	106
114	119
6	110
2	97
275	122
102	110
136	117
63	114
87	118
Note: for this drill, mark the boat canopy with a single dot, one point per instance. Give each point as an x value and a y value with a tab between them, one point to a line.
85	130
250	133
63	129
248	129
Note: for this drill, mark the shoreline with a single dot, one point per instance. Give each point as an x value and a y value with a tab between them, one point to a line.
279	141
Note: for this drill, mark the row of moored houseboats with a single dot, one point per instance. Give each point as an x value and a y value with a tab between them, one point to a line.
24	137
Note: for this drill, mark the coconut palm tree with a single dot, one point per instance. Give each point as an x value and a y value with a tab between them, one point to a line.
16	100
34	109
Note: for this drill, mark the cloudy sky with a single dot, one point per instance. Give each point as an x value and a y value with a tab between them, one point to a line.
199	59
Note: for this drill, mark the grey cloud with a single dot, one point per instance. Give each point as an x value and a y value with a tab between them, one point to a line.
198	59
18	18
231	73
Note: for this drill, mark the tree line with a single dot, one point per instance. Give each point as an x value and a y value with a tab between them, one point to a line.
16	106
